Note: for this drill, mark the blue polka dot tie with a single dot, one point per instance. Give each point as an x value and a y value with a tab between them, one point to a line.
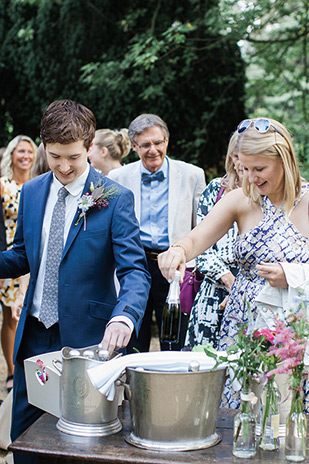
49	306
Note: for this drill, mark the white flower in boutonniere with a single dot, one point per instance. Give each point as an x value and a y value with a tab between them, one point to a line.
98	196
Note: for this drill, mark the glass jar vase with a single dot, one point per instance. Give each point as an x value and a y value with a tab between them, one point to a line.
244	436
270	416
296	430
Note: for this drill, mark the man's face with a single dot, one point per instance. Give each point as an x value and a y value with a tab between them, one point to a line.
67	162
148	147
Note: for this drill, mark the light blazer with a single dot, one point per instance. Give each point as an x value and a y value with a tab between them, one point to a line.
86	292
186	184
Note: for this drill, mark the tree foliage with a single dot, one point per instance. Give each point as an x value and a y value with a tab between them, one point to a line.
273	35
122	58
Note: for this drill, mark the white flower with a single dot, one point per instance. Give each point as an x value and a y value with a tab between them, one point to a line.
85	202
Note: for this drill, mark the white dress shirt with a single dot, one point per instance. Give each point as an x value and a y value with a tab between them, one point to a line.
75	190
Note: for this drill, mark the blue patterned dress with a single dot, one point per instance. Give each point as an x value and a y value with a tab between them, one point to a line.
274	239
206	316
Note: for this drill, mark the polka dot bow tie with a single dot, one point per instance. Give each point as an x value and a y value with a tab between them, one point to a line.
147	178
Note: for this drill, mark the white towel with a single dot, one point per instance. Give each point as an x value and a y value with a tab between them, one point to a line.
103	377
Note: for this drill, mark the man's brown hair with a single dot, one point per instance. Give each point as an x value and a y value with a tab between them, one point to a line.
65	121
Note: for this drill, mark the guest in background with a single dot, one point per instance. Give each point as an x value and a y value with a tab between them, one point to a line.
218	263
40	165
109	148
272	215
16	163
166	195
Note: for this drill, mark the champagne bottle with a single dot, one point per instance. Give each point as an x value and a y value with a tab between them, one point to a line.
172	313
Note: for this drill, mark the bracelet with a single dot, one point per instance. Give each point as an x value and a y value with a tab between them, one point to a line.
180	246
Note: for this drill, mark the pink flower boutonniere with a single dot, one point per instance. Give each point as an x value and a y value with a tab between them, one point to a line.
98	196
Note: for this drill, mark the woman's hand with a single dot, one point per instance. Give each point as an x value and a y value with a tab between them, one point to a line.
222	305
171	260
228	280
273	273
17	306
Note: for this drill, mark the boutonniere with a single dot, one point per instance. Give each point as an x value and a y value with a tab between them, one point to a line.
98	196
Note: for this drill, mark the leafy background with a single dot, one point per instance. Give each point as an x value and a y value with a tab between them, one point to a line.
202	65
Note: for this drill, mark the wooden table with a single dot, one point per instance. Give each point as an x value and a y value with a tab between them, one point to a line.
55	447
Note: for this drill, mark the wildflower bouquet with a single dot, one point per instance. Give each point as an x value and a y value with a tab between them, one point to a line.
289	347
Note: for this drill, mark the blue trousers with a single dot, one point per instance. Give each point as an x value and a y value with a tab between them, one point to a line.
36	340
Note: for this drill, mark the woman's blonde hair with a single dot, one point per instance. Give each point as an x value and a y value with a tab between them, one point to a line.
231	179
116	141
275	142
6	162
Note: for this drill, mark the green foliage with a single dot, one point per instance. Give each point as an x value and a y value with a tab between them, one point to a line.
273	36
122	58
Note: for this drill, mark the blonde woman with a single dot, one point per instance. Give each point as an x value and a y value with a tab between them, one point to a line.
272	215
16	163
109	147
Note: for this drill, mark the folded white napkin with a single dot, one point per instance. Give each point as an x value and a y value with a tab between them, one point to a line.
103	377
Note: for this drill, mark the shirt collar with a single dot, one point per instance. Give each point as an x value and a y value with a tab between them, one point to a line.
163	168
75	187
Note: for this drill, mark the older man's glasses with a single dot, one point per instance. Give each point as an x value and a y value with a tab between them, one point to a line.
147	145
262	125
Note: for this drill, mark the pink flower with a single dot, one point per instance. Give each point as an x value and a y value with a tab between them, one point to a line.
267	333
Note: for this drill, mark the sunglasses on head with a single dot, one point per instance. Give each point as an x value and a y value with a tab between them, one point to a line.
262	125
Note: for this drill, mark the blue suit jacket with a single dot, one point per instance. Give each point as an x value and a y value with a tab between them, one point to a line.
87	297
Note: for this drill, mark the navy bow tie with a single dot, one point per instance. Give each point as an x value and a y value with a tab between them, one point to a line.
147	178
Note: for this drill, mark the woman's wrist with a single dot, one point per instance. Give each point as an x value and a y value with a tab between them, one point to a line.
177	245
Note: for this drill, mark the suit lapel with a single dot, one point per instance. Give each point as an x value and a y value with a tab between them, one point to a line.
174	190
38	217
135	186
74	229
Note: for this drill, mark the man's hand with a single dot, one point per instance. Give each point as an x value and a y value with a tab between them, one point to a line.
117	335
273	273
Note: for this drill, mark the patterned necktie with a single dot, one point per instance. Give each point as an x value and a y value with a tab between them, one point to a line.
49	307
147	178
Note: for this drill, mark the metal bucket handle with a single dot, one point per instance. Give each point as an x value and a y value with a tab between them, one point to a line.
55	363
121	383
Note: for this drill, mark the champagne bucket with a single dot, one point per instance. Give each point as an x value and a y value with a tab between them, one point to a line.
85	411
172	411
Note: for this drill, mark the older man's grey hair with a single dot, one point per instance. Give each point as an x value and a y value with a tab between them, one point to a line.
144	122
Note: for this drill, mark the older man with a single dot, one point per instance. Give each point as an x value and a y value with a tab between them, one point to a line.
166	195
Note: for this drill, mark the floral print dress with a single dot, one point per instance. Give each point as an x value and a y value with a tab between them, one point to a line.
10	192
206	316
274	239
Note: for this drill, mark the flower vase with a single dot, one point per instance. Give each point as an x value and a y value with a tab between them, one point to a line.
270	416
244	439
296	430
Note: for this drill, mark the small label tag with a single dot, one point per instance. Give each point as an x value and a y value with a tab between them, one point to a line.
274	423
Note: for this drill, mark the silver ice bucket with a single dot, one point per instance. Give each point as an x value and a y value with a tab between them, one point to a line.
174	411
84	410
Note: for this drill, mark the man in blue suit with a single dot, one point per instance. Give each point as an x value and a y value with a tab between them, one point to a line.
73	303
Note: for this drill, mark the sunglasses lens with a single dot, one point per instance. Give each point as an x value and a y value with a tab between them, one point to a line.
243	125
262	125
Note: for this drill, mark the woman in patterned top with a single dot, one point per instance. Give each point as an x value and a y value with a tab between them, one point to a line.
15	167
218	263
272	215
